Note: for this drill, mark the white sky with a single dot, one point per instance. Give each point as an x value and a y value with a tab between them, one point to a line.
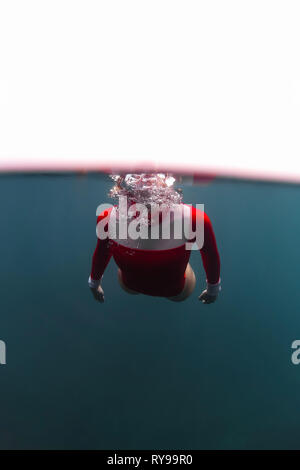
207	85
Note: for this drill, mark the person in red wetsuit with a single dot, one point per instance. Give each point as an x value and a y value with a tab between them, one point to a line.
153	252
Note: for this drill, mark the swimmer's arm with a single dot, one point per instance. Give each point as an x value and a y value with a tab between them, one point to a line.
211	262
100	260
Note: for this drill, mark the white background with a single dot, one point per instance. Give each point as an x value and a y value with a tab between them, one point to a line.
208	85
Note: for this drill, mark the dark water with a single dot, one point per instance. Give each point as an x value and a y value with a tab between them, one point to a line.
141	372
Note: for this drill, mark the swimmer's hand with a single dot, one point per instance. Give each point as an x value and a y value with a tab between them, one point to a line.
96	289
210	294
206	298
98	293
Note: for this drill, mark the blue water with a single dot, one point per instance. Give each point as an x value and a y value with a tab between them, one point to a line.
140	372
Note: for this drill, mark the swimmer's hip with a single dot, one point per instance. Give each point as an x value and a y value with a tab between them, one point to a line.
189	286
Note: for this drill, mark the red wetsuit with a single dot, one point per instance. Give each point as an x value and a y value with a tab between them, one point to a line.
156	272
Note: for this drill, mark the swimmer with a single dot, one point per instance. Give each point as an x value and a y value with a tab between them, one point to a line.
154	265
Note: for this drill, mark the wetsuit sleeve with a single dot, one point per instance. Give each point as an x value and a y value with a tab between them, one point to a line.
102	253
209	253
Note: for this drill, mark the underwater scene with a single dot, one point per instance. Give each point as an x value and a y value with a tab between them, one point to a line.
142	371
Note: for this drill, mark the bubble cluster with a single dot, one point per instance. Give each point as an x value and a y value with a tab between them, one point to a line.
146	188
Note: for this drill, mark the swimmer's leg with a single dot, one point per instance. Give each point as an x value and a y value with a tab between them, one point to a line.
129	291
189	286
